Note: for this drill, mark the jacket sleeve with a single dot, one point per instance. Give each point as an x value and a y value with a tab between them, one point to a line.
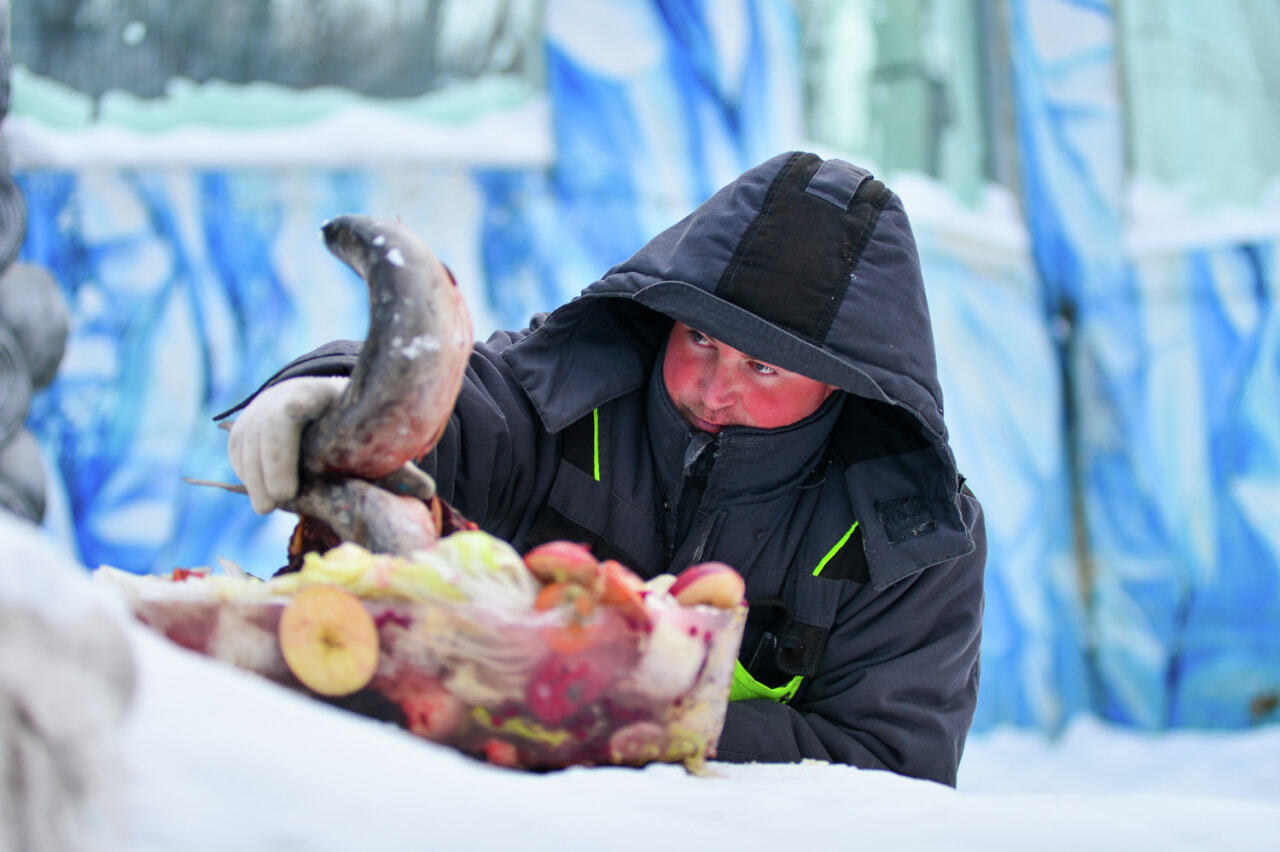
897	685
488	461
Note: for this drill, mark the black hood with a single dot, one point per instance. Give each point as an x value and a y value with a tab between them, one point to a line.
803	263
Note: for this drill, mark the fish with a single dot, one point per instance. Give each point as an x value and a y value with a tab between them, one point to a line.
357	459
409	372
365	513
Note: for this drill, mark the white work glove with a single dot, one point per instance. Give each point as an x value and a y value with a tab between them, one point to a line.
266	437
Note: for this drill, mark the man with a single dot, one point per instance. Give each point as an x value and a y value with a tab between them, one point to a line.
756	386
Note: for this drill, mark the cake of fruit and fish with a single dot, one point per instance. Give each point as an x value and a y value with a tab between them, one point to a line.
543	661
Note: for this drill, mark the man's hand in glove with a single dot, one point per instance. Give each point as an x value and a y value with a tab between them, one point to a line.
267	436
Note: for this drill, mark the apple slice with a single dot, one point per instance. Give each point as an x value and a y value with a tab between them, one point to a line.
328	640
558	561
622	588
713	583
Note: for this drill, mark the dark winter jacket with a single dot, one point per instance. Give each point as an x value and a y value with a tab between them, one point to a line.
862	550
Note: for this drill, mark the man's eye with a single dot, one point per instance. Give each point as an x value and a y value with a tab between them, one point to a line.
763	369
698	337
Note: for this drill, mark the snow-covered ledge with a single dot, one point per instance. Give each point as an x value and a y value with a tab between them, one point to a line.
1166	220
498	122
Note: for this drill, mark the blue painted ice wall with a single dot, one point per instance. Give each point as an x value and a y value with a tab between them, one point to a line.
1150	375
1166	332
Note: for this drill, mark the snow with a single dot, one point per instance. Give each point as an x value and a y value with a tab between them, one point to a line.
354	136
220	759
498	122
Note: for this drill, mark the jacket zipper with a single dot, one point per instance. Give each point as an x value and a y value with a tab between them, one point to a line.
695	485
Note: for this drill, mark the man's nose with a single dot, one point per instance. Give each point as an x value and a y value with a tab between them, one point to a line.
720	388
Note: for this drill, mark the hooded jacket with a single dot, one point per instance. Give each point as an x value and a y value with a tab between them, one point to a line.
862	550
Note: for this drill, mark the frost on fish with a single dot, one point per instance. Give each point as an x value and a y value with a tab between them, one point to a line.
420	345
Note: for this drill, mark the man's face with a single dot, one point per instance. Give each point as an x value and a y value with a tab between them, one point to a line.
714	385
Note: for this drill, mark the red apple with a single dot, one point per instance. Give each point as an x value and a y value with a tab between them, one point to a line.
560	686
711	583
558	561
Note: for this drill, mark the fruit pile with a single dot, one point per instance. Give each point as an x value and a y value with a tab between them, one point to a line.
546	661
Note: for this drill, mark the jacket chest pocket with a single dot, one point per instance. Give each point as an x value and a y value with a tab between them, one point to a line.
583	509
792	636
786	635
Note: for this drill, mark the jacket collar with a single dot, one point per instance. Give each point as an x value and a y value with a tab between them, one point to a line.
749	464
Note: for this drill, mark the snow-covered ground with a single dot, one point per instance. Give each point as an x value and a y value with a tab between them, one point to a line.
217	759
